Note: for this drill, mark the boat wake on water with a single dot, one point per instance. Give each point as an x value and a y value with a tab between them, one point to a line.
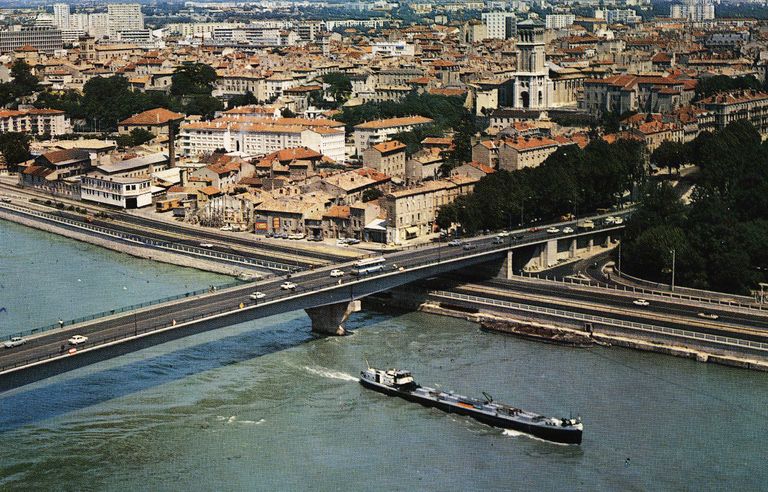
328	373
514	433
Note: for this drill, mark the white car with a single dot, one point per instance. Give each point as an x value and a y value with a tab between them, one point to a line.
227	228
618	220
336	273
567	230
206	245
553	230
77	340
641	302
610	220
705	315
455	242
257	295
14	342
287	286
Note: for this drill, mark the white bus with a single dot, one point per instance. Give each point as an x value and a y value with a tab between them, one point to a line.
368	265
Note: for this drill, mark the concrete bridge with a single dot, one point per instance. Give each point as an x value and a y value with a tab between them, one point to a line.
327	300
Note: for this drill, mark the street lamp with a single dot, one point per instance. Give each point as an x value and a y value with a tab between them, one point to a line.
672	285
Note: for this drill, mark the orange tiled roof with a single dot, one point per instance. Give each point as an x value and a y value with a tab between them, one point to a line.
157	116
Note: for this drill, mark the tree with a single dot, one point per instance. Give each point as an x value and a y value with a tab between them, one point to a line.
670	155
24	83
287	113
137	136
193	79
340	86
206	106
14	146
371	194
242	100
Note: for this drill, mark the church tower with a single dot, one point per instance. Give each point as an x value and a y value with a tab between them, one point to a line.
533	89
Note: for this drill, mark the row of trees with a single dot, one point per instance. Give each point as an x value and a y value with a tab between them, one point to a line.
572	180
107	100
719	239
23	84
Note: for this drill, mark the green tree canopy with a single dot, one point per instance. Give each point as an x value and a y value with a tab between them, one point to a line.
14	146
193	79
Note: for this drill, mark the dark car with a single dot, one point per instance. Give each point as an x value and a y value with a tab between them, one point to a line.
469	246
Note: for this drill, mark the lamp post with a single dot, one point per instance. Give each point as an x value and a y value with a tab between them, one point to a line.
672	285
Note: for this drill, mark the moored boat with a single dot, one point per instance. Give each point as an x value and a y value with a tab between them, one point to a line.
400	383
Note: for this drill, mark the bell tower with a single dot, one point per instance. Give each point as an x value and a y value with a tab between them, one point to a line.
533	89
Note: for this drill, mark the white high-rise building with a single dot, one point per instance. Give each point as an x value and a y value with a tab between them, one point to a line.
61	15
693	10
500	25
98	25
559	21
78	22
124	17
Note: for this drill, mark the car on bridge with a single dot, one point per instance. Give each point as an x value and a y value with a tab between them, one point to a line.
206	245
288	286
469	246
567	230
77	340
14	342
337	273
708	315
498	240
641	302
455	242
553	230
257	295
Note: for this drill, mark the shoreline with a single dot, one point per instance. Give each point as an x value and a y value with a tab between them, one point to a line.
135	251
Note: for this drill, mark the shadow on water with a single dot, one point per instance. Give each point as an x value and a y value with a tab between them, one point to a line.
43	401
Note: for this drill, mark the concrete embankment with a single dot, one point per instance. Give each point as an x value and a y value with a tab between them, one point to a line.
122	247
550	329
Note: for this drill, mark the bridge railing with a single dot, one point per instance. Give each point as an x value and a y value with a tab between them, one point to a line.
123	309
715	301
146	241
607	321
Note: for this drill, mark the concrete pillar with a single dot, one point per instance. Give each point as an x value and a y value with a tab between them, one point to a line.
608	241
572	250
551	252
329	319
506	271
591	243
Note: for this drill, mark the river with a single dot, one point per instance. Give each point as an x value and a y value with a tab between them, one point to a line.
265	405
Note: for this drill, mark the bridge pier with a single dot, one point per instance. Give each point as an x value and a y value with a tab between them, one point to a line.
329	319
573	249
507	271
550	253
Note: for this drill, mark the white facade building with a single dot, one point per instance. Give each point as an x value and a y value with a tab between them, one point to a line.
377	131
559	21
260	138
61	15
124	17
499	25
395	48
128	193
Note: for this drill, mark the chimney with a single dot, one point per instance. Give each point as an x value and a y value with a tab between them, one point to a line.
171	144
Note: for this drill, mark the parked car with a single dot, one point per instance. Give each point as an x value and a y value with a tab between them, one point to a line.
77	340
337	273
708	315
287	285
553	230
469	246
227	228
567	230
641	302
353	240
296	236
455	242
257	295
14	342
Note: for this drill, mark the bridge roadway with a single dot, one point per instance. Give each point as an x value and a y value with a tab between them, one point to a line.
315	289
745	324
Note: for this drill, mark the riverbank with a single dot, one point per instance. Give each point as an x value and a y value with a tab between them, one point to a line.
547	330
136	251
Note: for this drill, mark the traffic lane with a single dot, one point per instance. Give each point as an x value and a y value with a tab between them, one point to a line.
635	317
663	306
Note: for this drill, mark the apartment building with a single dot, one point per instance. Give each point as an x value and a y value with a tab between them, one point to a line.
521	152
262	136
738	105
124	17
411	212
559	21
43	39
51	122
500	25
387	158
377	131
